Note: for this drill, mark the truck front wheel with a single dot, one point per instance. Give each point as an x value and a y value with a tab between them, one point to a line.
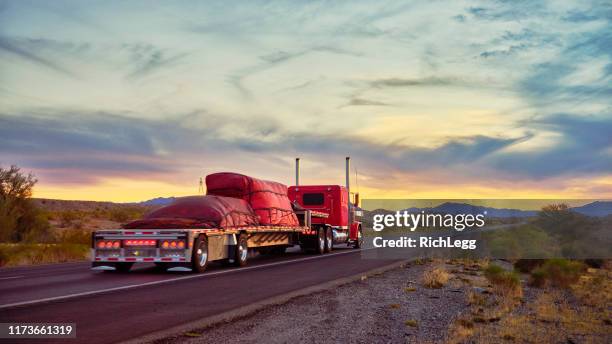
199	258
242	250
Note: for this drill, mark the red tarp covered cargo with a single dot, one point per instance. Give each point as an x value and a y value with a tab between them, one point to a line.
268	199
199	212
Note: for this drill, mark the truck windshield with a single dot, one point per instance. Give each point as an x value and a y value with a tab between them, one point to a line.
313	199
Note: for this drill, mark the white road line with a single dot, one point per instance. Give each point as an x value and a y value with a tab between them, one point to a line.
10	277
133	286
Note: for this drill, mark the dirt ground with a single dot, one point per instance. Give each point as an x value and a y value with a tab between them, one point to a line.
398	307
389	308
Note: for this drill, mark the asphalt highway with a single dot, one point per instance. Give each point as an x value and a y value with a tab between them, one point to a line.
109	307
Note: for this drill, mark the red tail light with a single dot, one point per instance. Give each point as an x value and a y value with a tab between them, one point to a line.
108	244
140	242
173	244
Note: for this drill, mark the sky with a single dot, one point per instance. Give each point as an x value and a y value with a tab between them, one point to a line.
126	101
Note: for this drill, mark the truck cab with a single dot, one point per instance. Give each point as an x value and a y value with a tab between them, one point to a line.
344	216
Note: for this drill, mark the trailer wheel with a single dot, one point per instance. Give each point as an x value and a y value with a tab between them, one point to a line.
242	250
329	239
123	267
199	258
359	241
320	244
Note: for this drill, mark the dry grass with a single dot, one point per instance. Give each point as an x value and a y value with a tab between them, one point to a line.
29	254
551	313
594	288
579	313
505	283
435	278
557	273
411	323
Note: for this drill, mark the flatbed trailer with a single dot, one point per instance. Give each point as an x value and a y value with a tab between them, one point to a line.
192	249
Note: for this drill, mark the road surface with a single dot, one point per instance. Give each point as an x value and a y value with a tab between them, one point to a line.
112	307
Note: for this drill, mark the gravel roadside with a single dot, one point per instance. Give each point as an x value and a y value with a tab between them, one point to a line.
392	307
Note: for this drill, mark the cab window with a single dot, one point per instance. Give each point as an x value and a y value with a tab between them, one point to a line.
313	198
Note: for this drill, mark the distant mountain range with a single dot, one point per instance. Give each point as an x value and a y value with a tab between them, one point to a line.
159	201
598	208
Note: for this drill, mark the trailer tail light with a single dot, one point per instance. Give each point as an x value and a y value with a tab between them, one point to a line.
108	244
173	244
140	242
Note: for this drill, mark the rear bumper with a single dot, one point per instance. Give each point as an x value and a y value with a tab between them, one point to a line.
140	254
140	260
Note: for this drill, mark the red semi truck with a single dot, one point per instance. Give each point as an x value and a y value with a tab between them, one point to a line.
327	215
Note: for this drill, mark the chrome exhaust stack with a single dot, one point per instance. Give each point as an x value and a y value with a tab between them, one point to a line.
297	171
348	174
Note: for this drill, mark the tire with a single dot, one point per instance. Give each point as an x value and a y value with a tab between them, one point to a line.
329	240
359	242
123	267
242	250
320	243
199	257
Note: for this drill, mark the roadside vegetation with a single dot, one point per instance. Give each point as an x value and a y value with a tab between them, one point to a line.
49	231
435	278
552	301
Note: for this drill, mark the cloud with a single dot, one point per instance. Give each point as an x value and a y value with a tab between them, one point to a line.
582	150
365	102
147	59
98	145
519	72
26	49
272	60
428	81
504	52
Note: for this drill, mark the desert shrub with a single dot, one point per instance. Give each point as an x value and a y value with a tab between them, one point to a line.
521	241
435	278
74	236
119	215
20	219
503	281
595	263
527	265
411	323
125	214
558	273
71	218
